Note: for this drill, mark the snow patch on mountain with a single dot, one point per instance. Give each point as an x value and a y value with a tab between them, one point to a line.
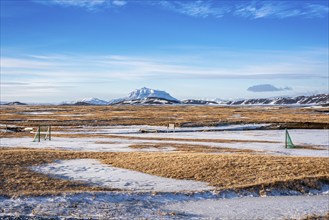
146	96
144	93
88	101
93	101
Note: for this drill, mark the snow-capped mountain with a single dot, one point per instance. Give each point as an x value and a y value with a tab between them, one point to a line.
87	101
148	101
94	101
146	96
199	102
320	99
144	93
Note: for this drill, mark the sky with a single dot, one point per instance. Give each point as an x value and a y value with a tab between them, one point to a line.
62	50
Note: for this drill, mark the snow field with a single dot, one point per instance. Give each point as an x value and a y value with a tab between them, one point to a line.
93	172
316	138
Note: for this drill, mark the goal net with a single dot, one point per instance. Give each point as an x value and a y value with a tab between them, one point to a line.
43	133
288	142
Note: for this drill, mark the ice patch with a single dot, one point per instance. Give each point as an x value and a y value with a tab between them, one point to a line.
96	173
116	205
282	207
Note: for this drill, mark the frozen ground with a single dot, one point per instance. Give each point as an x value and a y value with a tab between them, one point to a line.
133	129
282	207
116	205
138	201
96	173
308	137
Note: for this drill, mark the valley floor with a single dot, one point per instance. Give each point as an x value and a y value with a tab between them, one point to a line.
232	171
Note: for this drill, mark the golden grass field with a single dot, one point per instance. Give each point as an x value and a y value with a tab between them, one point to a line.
236	170
162	115
222	171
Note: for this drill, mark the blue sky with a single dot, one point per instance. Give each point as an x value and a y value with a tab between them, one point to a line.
56	50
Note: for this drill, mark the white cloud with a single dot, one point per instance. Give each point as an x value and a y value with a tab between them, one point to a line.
57	76
248	9
279	9
119	2
89	4
79	3
267	88
193	8
254	9
205	64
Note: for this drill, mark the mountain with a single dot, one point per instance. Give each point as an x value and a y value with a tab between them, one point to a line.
320	99
15	103
199	102
87	101
148	101
144	93
93	101
146	96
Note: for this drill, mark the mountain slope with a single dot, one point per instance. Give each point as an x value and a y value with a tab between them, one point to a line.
319	99
146	96
87	101
144	93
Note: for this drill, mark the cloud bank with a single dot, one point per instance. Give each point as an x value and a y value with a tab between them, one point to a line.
267	88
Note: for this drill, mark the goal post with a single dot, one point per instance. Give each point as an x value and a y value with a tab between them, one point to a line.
43	133
288	141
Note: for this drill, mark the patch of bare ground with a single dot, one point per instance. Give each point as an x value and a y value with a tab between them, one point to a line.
15	134
317	217
308	147
191	148
234	171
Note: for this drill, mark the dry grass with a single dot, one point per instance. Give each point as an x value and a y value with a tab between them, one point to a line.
317	217
221	171
162	115
193	148
224	171
17	179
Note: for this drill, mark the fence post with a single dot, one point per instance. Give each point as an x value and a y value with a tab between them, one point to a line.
39	133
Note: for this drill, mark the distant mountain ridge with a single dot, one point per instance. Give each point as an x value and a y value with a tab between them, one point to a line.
146	96
320	99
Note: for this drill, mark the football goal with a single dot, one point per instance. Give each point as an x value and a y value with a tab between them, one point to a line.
288	141
43	133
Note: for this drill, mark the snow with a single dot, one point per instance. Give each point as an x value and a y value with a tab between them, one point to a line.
96	173
36	113
117	205
173	198
283	207
133	129
317	138
92	101
144	93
